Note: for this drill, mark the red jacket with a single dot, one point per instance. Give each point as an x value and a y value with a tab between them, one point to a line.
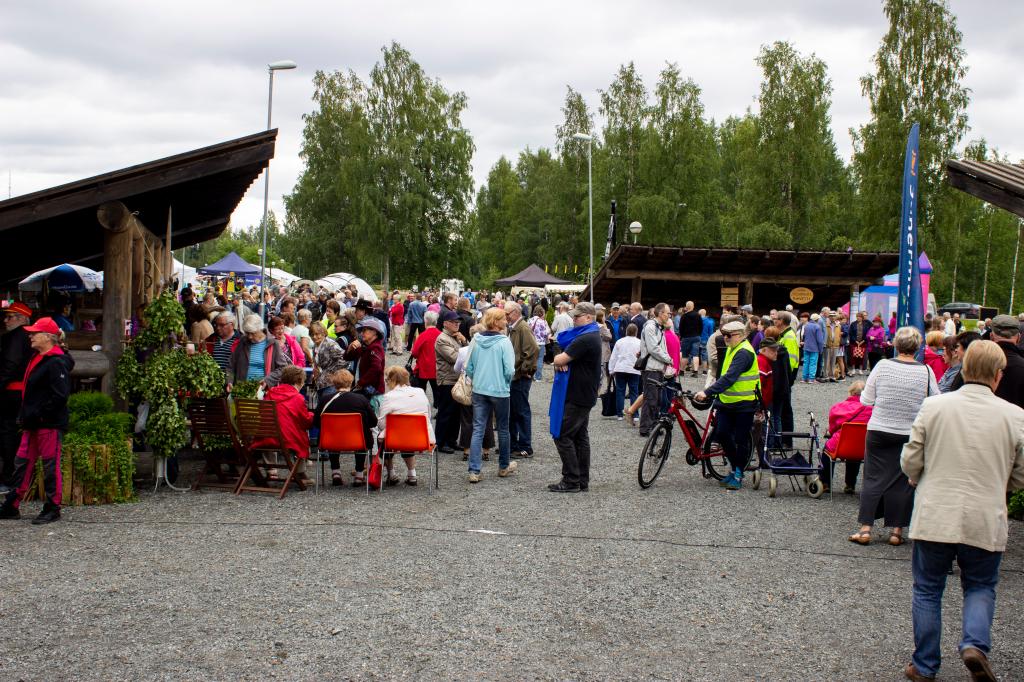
764	366
397	314
423	351
371	365
935	361
843	412
294	418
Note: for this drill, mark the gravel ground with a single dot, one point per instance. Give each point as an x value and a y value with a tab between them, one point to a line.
681	581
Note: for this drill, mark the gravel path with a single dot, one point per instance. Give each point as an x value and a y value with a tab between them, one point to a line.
682	581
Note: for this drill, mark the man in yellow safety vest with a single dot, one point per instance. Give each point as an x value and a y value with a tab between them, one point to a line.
738	394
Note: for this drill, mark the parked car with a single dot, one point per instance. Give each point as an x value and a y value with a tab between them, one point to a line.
969	311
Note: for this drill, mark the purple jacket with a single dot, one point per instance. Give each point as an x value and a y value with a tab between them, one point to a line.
876	339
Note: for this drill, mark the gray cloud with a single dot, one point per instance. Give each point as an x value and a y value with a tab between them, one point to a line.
94	86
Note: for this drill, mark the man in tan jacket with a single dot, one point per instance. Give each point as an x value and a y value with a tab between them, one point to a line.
960	506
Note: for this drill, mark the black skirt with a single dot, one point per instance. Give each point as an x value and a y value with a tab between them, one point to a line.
886	492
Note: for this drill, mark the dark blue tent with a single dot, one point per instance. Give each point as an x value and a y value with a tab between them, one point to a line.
231	263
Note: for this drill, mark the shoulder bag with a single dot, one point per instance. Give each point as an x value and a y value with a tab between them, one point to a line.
462	391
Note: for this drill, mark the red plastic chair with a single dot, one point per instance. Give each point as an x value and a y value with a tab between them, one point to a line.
342	433
850	447
408	434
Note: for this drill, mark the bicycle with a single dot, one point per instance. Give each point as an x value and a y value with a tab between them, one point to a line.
701	449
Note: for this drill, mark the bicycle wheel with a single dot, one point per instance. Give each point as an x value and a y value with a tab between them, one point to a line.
655	454
717	466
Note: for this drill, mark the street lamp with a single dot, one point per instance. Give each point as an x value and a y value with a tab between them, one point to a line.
271	68
635	228
590	193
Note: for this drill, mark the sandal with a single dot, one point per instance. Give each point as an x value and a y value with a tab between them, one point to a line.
896	539
861	537
336	478
393	480
358	479
410	480
487	456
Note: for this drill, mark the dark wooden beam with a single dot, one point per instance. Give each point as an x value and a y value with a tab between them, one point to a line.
996	196
668	275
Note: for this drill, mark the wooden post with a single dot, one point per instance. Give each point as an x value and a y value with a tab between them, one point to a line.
169	271
118	223
139	294
854	301
637	289
748	293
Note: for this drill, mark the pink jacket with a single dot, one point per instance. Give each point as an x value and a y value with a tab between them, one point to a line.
876	338
843	412
936	362
673	345
295	349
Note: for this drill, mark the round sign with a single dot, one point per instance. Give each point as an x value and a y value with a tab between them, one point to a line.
801	295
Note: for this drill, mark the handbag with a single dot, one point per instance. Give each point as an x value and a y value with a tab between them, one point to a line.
641	363
462	391
608	402
858	351
374	475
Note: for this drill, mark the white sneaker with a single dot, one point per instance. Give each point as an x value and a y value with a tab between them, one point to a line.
619	419
510	469
474	478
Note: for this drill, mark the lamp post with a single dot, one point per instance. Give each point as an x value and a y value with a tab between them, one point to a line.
635	228
271	68
590	195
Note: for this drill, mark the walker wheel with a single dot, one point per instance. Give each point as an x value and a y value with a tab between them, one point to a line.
773	486
756	480
815	488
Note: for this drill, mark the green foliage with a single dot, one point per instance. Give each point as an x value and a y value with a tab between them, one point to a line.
1015	507
245	389
86	405
387	181
166	429
162	319
93	423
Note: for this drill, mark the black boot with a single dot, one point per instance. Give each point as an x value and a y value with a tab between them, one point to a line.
9	511
50	513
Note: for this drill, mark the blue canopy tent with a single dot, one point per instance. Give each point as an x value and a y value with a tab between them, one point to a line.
230	264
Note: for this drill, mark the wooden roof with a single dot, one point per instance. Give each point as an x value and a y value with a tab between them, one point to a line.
1000	184
730	266
204	186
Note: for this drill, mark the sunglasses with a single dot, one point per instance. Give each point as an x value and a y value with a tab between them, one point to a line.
731	334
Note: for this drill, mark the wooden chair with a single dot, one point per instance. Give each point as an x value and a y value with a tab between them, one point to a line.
850	447
260	434
343	433
213	430
408	434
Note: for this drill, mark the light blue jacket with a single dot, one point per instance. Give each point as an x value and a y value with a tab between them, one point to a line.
491	364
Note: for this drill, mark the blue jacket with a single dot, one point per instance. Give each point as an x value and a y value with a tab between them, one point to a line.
814	338
707	330
491	364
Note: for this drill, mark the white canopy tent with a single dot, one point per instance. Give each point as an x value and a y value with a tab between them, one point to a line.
337	280
185	273
280	276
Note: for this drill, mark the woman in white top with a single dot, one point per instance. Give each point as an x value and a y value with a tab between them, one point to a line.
621	365
895	389
401	398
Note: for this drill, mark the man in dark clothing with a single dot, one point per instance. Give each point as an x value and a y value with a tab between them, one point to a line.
525	349
43	416
345	401
364	308
15	350
1006	332
448	302
690	327
579	367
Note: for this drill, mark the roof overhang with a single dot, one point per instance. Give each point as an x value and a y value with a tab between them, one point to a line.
1000	184
203	187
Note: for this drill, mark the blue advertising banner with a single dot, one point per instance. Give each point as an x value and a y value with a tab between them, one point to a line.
909	311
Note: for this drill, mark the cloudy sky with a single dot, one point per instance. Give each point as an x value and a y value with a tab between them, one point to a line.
96	85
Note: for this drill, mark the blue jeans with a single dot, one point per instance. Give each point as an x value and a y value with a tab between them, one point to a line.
810	365
624	380
519	416
483	406
979	573
540	365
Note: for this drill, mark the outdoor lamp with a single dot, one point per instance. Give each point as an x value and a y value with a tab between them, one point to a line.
635	228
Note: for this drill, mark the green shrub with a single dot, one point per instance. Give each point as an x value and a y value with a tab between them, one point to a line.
87	405
1015	507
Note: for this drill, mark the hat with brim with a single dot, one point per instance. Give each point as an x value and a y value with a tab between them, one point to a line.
18	308
372	323
44	325
733	327
768	342
363	304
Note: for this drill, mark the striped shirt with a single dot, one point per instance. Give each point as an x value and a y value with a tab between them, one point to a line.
222	351
896	389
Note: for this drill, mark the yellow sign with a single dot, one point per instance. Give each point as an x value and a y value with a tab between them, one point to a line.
801	295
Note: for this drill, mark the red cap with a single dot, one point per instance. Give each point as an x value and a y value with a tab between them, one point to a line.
19	308
45	325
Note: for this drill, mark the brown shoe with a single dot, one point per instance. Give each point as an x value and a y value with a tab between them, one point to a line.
977	662
911	674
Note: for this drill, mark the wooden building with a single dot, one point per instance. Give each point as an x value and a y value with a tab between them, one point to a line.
126	223
716	277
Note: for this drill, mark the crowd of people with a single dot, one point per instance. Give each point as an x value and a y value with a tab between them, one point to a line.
478	355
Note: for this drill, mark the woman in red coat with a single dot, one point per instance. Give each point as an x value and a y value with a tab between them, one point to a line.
292	415
423	352
368	351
